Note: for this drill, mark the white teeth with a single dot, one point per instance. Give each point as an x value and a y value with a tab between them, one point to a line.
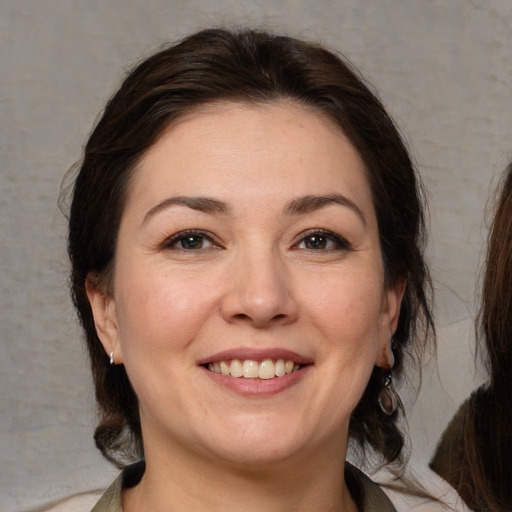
235	368
280	368
267	370
224	368
252	369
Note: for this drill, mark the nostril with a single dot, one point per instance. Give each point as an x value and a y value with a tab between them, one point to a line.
241	316
259	320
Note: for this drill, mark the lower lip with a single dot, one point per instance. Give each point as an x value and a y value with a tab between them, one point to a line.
258	387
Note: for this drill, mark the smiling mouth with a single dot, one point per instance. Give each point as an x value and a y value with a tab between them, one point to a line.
252	369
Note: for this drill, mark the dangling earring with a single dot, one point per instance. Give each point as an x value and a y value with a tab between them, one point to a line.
112	357
387	397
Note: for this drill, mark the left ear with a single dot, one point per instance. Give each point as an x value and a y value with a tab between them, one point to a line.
392	301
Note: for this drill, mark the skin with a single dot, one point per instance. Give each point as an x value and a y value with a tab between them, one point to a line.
265	277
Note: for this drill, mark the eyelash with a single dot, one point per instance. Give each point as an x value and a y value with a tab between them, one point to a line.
183	235
340	242
328	236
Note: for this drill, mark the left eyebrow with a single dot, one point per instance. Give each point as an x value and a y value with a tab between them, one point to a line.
311	203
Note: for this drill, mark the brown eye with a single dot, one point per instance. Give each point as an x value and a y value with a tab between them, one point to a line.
315	242
188	241
191	242
323	241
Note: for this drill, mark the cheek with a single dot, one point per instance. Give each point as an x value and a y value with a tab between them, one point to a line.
160	312
350	306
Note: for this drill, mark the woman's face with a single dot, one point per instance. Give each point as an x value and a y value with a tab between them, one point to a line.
248	245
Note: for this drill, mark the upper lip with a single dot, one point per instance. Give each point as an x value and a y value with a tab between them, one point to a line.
256	355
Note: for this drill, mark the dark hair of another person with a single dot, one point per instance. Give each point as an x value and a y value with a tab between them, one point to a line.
487	466
249	67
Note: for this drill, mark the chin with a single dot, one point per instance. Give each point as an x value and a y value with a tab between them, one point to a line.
255	455
258	444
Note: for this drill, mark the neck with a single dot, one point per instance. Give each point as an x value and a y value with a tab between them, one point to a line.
184	482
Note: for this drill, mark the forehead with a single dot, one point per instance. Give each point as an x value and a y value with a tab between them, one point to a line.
246	150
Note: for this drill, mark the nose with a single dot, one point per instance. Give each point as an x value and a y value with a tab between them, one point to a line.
259	292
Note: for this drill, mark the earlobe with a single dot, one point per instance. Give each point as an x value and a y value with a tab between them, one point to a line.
105	318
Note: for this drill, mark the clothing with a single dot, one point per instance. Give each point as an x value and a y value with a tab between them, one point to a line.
419	475
368	496
402	500
82	502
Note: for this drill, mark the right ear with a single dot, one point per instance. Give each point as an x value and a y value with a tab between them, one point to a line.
103	308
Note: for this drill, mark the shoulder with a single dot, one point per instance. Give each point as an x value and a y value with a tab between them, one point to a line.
83	502
367	494
129	477
419	477
108	501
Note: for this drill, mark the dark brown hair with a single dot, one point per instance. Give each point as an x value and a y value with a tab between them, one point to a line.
486	479
249	67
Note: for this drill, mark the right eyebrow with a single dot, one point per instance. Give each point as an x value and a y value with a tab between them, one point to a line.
307	204
202	204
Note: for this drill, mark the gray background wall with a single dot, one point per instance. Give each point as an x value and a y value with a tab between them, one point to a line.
444	70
